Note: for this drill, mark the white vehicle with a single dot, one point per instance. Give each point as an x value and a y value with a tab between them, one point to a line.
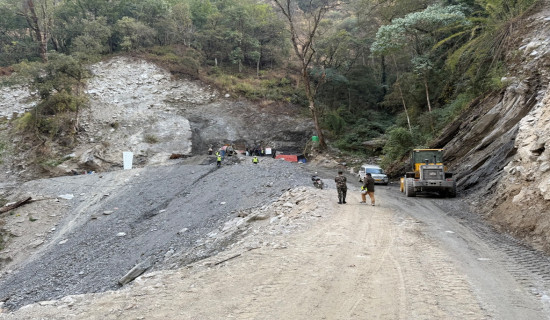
376	172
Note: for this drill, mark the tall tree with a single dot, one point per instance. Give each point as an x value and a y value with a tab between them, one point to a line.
415	35
302	35
38	24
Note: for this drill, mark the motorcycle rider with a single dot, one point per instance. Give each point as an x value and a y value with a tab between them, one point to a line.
317	182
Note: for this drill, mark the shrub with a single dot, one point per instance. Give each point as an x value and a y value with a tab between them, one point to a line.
400	142
151	139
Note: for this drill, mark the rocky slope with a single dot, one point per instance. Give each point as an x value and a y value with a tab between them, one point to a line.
500	147
137	106
89	231
85	232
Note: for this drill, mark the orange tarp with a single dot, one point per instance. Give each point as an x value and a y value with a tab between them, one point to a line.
287	157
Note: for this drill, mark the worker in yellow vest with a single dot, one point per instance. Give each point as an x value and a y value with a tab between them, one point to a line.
219	160
255	160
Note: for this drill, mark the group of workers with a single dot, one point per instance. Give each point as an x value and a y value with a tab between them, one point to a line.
256	152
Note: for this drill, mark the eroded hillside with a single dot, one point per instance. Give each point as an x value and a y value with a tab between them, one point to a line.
500	147
136	106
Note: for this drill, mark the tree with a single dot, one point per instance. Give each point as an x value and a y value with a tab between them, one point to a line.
94	38
181	15
39	20
415	35
59	83
266	31
133	34
303	43
15	43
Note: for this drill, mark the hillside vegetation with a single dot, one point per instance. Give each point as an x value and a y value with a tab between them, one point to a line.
366	69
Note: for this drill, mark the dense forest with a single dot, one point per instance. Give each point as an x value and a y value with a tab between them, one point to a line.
377	76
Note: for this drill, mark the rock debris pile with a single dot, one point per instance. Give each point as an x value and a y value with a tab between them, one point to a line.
158	217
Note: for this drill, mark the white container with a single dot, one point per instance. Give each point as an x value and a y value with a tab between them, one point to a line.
127	158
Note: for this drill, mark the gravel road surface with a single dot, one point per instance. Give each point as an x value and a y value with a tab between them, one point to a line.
406	258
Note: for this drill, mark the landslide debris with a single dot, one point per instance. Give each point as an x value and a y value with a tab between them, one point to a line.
106	224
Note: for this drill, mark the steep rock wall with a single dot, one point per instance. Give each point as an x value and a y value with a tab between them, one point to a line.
499	148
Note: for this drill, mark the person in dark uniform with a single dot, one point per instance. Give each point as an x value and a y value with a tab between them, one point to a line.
341	186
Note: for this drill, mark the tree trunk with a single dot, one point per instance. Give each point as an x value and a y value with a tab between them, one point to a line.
429	104
34	24
404	104
384	75
427	94
258	67
313	109
302	42
401	94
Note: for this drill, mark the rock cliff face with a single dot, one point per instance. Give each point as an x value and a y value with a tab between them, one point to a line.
500	148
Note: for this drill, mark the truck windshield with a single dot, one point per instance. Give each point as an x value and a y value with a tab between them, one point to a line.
432	156
374	170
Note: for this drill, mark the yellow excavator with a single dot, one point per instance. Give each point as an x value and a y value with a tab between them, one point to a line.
429	174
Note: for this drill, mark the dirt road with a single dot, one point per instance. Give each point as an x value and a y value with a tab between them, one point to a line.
406	258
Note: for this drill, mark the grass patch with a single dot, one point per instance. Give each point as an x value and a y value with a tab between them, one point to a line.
151	139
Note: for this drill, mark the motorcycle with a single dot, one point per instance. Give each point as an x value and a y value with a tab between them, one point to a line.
317	182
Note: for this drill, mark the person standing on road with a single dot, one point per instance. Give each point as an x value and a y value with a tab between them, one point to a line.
219	160
368	185
341	186
255	160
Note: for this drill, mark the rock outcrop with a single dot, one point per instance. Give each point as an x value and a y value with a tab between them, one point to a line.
499	147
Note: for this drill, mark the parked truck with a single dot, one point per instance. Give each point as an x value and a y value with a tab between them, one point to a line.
429	174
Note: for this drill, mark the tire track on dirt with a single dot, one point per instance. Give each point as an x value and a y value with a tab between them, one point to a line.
501	272
527	266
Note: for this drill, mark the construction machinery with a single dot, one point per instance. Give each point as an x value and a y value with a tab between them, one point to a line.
429	174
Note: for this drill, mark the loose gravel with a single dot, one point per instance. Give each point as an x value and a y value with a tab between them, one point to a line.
119	219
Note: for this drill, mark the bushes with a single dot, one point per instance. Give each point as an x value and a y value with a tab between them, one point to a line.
177	59
400	142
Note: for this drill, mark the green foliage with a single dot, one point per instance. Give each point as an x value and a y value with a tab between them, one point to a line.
445	115
400	142
334	122
177	59
133	34
201	11
455	51
416	29
25	122
15	46
94	38
353	131
59	84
